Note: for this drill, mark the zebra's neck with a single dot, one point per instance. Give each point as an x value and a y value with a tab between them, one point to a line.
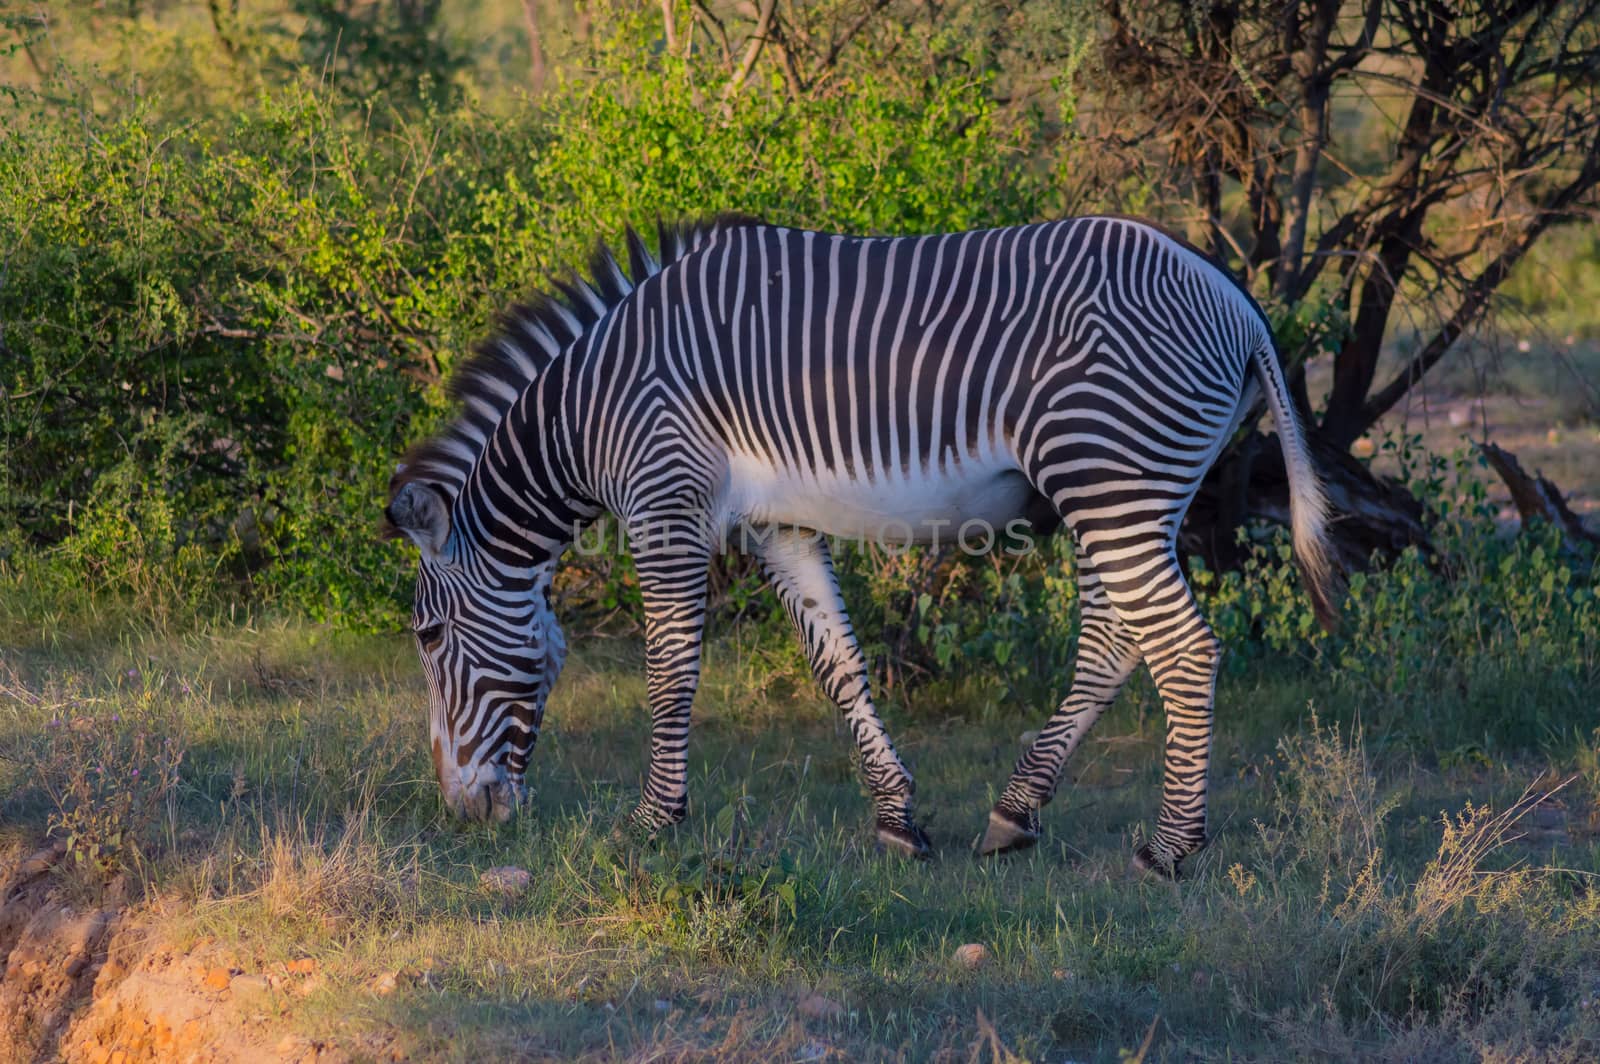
522	503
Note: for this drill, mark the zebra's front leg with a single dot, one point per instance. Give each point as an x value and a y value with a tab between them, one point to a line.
1107	655
800	568
672	584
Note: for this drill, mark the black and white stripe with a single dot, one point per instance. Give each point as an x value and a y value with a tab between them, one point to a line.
789	385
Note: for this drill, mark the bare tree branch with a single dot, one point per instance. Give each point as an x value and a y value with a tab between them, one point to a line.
1478	293
752	52
670	23
537	70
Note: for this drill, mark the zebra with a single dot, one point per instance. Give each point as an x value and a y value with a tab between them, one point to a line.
801	385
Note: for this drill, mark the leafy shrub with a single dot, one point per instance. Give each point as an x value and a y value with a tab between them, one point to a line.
242	321
111	782
1490	612
1013	616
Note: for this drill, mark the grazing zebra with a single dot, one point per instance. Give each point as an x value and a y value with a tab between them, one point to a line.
789	385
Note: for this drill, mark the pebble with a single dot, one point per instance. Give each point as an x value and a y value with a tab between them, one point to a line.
243	985
972	956
507	880
817	1007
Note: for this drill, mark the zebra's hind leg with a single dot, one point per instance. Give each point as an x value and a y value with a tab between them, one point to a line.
1149	593
800	569
1107	655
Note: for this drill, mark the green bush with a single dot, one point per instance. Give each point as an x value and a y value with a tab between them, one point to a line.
1489	613
263	307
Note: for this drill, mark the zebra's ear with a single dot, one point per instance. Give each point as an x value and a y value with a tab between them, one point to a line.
422	514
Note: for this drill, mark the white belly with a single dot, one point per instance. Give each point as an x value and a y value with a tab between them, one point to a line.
955	505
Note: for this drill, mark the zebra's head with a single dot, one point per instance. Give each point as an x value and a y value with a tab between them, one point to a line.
491	650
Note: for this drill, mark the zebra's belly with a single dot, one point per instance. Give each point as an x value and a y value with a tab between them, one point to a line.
959	504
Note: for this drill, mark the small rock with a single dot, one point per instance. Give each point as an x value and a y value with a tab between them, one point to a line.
40	862
244	985
507	880
384	985
972	956
217	979
817	1007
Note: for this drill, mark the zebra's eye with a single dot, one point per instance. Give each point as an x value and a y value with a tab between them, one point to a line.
430	634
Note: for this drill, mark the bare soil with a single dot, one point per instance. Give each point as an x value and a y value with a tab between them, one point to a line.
82	981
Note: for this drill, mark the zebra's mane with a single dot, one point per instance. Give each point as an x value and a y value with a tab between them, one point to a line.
530	335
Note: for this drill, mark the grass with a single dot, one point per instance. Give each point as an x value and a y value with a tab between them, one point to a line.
1364	896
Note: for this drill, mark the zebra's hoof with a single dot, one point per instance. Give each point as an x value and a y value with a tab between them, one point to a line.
1005	835
643	826
1147	867
906	840
628	832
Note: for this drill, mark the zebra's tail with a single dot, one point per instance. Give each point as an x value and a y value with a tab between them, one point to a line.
1308	506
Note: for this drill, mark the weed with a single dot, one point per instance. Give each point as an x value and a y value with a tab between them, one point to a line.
111	778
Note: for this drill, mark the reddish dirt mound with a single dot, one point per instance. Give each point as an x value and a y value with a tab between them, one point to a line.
171	1006
52	954
84	983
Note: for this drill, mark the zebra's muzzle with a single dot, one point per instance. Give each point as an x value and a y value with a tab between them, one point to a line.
484	792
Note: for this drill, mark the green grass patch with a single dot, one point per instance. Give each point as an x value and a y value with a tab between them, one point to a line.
1366	894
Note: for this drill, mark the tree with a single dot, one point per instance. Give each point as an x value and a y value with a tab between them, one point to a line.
394	48
1237	113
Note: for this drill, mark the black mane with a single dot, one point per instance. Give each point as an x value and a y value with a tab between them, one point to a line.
531	334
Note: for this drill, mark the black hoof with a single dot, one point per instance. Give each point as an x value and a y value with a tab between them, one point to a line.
907	840
1005	835
1148	867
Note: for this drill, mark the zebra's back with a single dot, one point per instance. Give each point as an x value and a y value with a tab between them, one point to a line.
876	384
